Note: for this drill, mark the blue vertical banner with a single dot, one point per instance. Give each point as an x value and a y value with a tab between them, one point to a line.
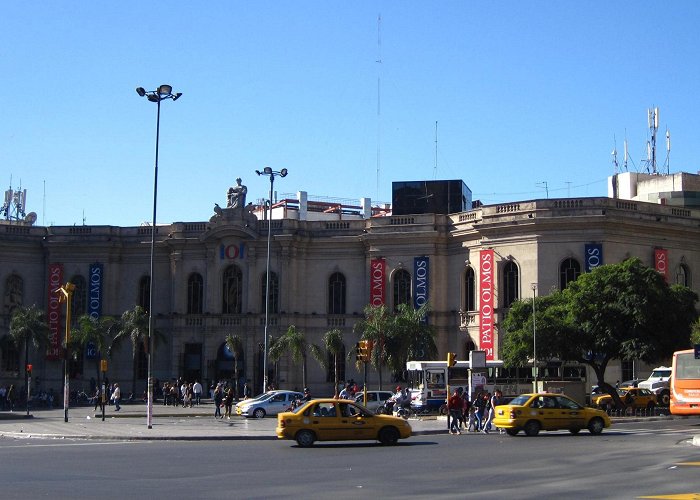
421	281
594	256
94	303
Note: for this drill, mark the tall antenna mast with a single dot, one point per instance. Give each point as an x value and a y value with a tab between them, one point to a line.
667	163
379	99
653	120
614	155
436	152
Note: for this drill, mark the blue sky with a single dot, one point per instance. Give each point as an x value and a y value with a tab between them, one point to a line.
523	92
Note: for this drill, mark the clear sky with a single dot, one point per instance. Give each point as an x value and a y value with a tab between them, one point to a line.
523	93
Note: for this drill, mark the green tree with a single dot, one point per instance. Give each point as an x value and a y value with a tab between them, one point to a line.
376	326
415	337
235	345
28	326
333	343
695	333
294	343
617	311
133	325
97	331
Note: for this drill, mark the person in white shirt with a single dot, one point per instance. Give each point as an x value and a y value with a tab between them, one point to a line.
197	390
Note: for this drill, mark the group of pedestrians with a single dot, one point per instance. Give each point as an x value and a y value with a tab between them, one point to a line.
475	415
181	392
224	395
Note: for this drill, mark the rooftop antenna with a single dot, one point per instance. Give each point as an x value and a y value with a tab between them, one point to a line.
436	152
546	187
667	163
15	203
379	98
627	154
614	155
653	121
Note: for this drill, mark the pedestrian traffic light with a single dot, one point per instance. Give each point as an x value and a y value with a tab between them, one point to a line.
451	359
29	370
359	354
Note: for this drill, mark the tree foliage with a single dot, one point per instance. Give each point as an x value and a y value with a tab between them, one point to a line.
292	342
96	331
617	311
333	344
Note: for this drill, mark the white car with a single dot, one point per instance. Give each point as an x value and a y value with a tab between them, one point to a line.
375	399
270	403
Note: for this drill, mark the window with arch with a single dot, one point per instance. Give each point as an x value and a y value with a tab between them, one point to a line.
232	300
510	284
336	294
469	290
14	291
145	293
402	288
79	299
195	293
274	297
569	271
683	275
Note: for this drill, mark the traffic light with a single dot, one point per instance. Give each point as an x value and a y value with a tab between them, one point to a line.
358	352
29	370
451	359
364	350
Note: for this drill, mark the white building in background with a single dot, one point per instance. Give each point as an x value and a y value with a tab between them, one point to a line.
328	261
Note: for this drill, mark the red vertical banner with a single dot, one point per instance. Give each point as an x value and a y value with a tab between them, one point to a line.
377	282
54	312
661	262
486	296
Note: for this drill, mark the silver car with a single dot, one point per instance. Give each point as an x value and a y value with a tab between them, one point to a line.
270	403
375	399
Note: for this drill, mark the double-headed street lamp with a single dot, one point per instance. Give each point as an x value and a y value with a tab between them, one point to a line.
282	173
163	93
534	334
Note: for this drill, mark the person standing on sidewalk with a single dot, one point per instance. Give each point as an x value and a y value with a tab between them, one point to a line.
218	398
116	397
454	408
197	389
228	402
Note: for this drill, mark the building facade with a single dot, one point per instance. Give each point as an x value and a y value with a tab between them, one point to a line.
210	278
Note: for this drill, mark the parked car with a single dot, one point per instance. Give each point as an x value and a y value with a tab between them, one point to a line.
548	412
632	397
339	420
271	403
375	399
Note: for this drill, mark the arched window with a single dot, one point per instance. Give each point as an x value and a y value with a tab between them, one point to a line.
683	275
79	299
569	271
510	284
145	293
232	290
469	290
14	291
336	294
195	293
274	296
402	288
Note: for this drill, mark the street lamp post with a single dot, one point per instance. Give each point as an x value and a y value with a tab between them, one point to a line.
66	296
163	93
534	334
272	174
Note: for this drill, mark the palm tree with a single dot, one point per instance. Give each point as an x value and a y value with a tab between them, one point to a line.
97	331
378	327
294	342
414	337
235	345
28	325
333	342
133	325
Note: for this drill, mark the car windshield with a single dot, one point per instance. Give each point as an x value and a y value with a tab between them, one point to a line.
660	373
520	400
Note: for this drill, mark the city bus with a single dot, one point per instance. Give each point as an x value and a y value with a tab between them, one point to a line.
685	383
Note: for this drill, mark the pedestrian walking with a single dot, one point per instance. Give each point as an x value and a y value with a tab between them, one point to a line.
116	397
218	399
479	407
228	402
197	390
10	397
454	408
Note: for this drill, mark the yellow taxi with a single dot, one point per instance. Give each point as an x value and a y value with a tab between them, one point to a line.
632	397
339	420
548	412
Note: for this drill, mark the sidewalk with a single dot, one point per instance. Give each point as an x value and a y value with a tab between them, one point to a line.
169	423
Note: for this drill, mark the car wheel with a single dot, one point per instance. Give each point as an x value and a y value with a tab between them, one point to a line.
665	398
512	432
388	436
574	431
532	428
596	426
305	438
259	413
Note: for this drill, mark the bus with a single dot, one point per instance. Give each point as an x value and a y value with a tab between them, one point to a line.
685	383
